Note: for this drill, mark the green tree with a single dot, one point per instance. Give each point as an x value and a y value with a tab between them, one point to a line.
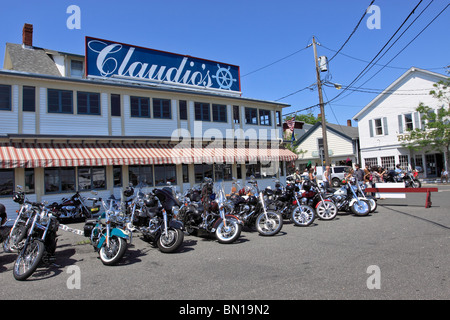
436	124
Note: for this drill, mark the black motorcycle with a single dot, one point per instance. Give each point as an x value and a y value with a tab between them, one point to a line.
39	246
405	176
286	201
154	214
249	206
75	208
204	210
314	196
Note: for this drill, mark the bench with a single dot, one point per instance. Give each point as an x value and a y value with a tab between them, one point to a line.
406	190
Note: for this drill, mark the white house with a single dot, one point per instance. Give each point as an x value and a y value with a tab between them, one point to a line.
383	124
342	144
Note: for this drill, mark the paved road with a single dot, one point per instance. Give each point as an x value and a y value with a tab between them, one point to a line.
403	249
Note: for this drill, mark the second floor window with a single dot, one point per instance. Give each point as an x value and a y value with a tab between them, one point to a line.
88	103
202	111
5	97
264	118
29	98
251	116
140	107
219	112
59	101
162	109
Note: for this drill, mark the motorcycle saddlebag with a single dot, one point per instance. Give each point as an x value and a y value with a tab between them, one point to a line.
88	226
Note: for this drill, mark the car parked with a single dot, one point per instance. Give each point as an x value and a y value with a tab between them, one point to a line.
338	174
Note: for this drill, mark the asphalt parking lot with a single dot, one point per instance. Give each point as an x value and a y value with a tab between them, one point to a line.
401	251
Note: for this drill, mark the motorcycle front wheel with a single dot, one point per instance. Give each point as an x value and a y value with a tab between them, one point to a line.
170	242
12	241
111	256
416	183
360	208
28	260
303	216
271	225
230	232
326	210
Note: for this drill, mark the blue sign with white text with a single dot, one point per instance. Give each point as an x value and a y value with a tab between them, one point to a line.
108	59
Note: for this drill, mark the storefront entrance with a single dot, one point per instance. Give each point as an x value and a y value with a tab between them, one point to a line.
434	164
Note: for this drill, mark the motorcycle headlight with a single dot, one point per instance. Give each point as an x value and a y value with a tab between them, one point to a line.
175	211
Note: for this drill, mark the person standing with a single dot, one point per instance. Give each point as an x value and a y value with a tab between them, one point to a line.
358	174
444	176
326	178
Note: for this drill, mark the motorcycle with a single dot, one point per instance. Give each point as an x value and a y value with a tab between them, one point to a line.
40	244
289	205
405	176
14	241
249	205
206	211
154	216
313	196
362	194
74	208
346	199
109	233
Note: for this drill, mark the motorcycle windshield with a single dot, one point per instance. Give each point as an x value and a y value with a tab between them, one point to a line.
168	200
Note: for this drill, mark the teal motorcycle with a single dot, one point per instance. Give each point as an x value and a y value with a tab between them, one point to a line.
109	234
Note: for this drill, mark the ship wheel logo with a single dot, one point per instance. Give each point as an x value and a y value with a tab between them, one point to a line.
224	78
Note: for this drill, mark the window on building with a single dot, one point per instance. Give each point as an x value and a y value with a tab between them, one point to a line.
418	163
5	97
202	111
88	103
251	116
203	171
140	174
6	182
140	107
236	114
164	174
279	118
91	178
29	98
182	106
264	118
29	180
219	112
117	176
185	169
388	163
59	101
162	109
409	121
115	105
371	162
59	180
269	170
378	127
76	69
403	161
253	169
223	172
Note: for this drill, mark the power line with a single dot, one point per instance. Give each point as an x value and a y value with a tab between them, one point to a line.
279	60
351	34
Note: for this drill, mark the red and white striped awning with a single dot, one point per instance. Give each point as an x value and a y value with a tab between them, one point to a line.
44	155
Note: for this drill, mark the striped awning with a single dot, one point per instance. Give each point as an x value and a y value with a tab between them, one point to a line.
44	155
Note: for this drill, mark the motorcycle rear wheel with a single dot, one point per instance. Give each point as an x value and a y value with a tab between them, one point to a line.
171	242
230	233
112	255
303	216
270	226
28	260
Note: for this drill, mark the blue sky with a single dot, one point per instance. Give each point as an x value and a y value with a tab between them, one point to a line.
254	34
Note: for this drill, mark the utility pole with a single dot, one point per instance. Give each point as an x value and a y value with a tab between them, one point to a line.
322	109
